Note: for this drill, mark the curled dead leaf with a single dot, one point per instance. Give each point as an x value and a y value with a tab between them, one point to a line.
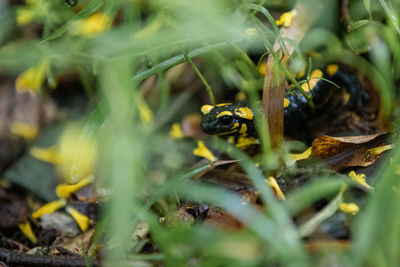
350	151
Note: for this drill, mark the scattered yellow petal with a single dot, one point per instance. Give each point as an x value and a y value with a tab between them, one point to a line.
351	208
49	208
239	97
78	154
82	220
5	183
262	68
148	31
275	187
359	178
25	130
32	2
146	115
373	153
91	26
305	155
24	15
203	151
286	18
49	154
65	190
27	230
32	79
176	131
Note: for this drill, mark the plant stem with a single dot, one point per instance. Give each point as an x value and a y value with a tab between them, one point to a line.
206	84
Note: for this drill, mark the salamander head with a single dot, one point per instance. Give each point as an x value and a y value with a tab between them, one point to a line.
226	119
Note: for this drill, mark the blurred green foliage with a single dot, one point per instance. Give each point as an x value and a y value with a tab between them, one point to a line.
148	38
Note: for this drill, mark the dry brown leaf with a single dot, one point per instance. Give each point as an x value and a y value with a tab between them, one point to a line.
77	245
348	151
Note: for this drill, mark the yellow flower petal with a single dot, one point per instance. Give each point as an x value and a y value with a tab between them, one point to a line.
78	155
49	208
286	18
24	15
27	230
82	220
305	155
262	68
275	187
91	26
146	115
373	153
203	151
176	131
351	208
49	155
25	130
32	79
65	190
359	178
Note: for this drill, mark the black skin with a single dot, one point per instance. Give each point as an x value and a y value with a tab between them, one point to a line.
296	113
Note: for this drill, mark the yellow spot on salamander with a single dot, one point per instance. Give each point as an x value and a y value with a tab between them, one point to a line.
82	220
286	18
205	109
176	131
244	113
49	208
244	142
223	104
332	69
27	230
25	130
203	151
235	125
275	187
305	155
359	178
286	102
243	130
315	77
351	208
224	113
65	190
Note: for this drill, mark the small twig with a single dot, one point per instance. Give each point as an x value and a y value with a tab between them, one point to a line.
206	84
16	258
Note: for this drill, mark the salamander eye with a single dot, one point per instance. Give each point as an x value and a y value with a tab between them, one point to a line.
226	120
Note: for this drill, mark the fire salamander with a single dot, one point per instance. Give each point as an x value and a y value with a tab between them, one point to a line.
237	120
